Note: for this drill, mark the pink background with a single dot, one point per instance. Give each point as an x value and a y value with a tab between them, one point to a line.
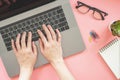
87	65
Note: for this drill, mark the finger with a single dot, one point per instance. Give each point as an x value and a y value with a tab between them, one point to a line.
18	42
59	36
52	32
34	48
13	46
23	40
47	32
29	41
42	37
7	2
41	45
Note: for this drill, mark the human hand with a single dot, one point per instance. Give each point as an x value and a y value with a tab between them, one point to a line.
51	46
52	51
26	53
8	2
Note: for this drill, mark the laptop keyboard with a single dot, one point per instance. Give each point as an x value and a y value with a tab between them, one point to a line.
55	17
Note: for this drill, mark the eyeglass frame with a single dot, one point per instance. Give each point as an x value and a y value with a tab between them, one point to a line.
92	8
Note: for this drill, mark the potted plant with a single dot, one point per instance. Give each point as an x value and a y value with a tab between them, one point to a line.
115	28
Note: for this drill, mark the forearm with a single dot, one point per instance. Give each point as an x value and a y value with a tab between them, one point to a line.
62	70
25	74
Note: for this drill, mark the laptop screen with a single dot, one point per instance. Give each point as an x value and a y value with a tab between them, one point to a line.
19	6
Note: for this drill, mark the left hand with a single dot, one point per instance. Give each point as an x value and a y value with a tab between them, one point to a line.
26	53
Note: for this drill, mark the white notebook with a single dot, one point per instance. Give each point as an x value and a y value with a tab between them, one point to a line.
111	55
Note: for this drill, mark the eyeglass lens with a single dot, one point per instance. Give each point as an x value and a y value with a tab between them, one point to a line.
97	15
83	9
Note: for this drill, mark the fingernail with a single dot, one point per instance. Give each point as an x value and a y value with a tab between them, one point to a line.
24	32
12	40
43	25
29	32
33	42
18	34
38	30
48	25
57	30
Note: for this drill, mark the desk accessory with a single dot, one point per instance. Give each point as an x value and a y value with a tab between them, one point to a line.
93	36
115	28
97	13
111	55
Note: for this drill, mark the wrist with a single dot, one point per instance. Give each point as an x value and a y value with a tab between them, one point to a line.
25	73
29	69
57	63
62	70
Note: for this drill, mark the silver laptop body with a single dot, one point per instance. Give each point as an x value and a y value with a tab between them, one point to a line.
71	39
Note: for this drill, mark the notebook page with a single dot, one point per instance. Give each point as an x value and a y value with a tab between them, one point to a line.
111	55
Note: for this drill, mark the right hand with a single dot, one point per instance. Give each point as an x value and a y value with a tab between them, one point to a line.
51	46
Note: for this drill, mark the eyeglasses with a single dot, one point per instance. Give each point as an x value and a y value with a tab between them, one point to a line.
97	14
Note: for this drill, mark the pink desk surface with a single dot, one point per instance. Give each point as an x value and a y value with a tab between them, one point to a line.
87	65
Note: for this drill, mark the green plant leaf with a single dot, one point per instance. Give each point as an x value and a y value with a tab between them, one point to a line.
115	28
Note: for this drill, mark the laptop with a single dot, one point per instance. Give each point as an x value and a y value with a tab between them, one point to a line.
29	16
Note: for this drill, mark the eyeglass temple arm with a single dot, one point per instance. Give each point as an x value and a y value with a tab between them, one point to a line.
78	2
102	16
105	14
